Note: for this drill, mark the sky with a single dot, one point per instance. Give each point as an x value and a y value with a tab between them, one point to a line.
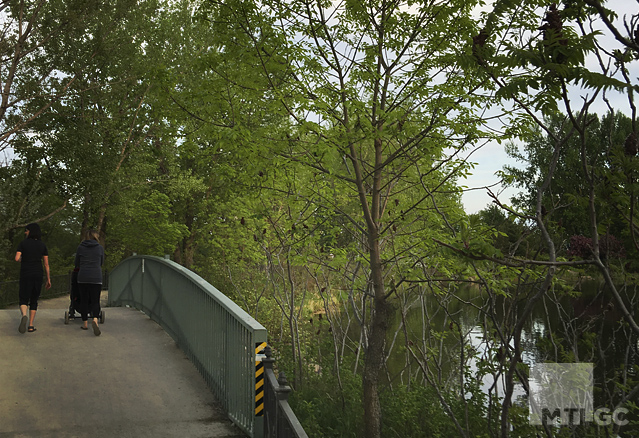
492	157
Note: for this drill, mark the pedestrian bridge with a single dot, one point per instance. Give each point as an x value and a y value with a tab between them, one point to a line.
176	358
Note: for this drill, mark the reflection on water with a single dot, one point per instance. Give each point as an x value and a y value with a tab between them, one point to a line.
583	328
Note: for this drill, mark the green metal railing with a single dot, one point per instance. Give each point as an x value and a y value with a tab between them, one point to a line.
215	333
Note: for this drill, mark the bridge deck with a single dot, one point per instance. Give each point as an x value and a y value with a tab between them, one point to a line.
132	381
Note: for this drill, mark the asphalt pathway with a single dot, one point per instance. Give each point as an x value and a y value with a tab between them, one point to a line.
132	381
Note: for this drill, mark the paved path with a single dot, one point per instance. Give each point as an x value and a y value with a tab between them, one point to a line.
132	381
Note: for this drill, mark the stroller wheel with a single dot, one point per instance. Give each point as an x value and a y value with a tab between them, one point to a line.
102	317
66	316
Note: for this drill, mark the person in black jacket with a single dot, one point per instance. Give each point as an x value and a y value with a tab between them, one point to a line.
32	253
89	258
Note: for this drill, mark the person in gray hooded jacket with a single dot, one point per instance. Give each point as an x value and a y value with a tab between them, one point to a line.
89	258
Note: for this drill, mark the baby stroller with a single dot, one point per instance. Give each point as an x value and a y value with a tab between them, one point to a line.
74	306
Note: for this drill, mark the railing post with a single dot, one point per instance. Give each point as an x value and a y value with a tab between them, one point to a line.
268	360
283	390
281	394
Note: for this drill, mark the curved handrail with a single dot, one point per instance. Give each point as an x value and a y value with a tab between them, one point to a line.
215	333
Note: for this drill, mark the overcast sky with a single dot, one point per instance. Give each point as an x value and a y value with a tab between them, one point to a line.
491	158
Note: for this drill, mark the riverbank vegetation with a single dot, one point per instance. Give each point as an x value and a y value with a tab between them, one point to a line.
308	159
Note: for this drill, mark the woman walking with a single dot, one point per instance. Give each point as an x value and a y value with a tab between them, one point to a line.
32	253
89	258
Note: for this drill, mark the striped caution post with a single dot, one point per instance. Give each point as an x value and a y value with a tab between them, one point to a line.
259	379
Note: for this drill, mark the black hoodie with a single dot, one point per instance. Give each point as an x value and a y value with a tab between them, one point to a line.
89	258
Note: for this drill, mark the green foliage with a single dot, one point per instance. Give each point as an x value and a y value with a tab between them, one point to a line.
505	230
330	407
567	197
29	192
152	231
416	411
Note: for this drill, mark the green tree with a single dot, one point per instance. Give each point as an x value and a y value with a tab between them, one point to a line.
152	231
33	46
506	231
379	110
39	41
216	106
567	194
99	139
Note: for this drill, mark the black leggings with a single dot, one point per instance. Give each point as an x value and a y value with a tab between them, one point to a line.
89	299
29	293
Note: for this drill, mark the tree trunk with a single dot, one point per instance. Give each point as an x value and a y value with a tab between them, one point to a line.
375	356
185	252
188	251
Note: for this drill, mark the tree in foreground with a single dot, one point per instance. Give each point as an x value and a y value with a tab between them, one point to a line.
378	112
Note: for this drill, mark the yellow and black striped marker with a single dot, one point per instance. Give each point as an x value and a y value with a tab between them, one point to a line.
259	379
